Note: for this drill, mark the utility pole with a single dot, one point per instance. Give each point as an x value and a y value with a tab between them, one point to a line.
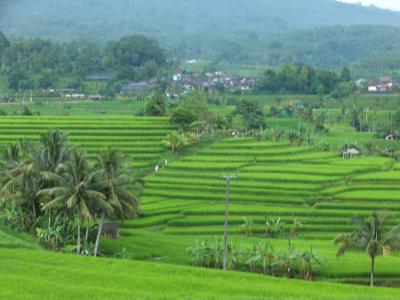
228	180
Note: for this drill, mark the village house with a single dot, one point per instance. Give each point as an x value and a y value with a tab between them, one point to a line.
6	99
138	86
75	96
65	92
383	85
96	97
102	76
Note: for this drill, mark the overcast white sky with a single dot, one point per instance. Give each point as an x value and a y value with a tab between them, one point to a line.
391	4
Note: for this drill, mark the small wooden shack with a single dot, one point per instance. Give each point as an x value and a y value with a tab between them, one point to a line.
110	230
351	153
391	137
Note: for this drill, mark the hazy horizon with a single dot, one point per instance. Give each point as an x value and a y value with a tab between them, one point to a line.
387	4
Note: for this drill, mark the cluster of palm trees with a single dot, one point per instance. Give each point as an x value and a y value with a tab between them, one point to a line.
51	187
261	258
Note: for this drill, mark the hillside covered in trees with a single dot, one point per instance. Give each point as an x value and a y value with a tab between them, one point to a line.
170	21
368	47
257	31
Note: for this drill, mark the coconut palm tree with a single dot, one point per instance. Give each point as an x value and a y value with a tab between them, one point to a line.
11	156
21	182
118	186
372	236
55	151
75	190
175	141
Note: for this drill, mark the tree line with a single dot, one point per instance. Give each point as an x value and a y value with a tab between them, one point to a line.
51	189
40	63
304	79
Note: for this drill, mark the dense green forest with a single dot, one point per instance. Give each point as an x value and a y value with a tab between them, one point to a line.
38	63
170	21
304	79
256	32
332	46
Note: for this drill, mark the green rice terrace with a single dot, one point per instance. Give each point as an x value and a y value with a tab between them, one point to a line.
247	153
136	136
275	180
183	203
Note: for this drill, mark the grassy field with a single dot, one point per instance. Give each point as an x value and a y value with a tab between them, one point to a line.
30	274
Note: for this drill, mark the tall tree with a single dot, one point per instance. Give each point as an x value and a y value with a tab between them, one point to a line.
55	152
372	236
118	186
76	190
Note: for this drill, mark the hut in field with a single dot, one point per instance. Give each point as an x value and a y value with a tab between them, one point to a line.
391	137
110	230
351	153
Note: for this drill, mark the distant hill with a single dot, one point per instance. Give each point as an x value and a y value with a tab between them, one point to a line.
264	31
332	46
172	20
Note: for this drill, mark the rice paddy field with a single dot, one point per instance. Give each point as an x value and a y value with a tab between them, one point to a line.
185	202
274	179
138	137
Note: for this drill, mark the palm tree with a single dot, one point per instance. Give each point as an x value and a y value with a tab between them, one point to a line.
372	236
27	190
55	151
76	190
11	156
175	141
117	185
21	182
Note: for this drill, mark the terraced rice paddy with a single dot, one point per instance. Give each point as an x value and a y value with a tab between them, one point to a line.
138	137
274	179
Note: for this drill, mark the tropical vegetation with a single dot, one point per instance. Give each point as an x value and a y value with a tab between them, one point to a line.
51	187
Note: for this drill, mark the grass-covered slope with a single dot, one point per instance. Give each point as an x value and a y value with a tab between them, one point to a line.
29	274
